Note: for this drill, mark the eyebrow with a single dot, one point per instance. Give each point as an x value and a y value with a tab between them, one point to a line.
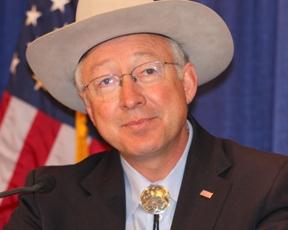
136	55
144	53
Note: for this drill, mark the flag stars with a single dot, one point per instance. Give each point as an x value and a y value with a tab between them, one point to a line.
14	63
38	84
32	16
59	5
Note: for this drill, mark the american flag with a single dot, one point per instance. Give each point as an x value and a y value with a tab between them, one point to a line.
35	130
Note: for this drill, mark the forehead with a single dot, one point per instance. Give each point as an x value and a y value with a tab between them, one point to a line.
135	44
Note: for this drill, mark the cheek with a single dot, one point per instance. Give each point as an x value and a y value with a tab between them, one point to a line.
102	114
176	101
169	102
169	95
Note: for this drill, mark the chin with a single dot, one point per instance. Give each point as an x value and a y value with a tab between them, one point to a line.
141	151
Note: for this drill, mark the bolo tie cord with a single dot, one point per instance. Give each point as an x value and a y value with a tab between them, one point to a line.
156	222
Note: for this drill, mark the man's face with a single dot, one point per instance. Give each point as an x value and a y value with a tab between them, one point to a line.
142	121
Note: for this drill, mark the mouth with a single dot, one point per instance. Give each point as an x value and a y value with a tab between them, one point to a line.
139	123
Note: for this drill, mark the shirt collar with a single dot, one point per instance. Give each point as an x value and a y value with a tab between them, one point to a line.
135	183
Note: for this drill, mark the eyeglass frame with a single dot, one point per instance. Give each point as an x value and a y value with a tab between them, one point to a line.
120	77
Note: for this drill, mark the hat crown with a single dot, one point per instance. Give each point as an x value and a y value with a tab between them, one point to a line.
89	8
200	31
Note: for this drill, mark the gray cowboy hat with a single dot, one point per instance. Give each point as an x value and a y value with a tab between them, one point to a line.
201	33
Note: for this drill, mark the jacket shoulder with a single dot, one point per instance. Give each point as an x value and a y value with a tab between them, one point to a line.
72	171
244	155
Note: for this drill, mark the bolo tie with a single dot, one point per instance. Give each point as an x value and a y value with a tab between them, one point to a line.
155	200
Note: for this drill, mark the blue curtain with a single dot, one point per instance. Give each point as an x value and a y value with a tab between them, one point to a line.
248	102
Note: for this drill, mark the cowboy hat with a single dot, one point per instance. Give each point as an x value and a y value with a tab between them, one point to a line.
201	33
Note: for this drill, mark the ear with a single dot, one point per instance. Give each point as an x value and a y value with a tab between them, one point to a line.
190	82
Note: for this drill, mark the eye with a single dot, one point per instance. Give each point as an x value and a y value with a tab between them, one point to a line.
106	81
150	71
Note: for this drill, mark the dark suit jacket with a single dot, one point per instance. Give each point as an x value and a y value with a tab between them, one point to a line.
250	191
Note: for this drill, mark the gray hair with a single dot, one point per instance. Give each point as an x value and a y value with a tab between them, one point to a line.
77	79
178	53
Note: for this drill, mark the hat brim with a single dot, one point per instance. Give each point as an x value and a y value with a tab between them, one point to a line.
201	33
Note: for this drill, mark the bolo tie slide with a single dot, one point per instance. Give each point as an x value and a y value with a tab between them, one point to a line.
155	200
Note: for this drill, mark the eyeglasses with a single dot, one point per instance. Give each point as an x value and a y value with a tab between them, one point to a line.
106	86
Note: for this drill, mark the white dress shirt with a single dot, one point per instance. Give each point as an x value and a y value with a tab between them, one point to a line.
135	183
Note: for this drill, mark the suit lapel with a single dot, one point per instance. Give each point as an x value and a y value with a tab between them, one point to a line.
205	164
104	204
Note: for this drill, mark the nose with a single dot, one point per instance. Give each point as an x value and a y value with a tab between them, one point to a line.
131	94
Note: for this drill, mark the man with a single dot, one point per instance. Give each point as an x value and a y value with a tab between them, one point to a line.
136	69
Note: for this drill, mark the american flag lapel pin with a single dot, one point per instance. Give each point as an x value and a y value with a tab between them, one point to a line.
207	194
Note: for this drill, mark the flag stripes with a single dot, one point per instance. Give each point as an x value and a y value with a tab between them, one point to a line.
65	143
14	129
35	148
4	105
97	146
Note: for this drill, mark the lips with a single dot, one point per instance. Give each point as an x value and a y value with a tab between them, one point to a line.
138	122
